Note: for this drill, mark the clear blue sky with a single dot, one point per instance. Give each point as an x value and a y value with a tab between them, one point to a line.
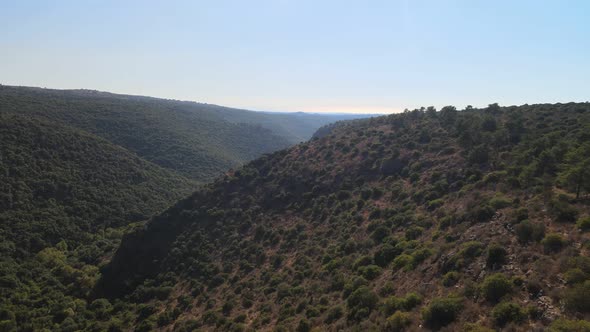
288	55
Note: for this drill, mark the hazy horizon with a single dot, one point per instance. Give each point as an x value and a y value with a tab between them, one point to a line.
289	56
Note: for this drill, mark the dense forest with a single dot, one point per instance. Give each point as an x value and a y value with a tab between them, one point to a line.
472	220
66	198
79	169
199	141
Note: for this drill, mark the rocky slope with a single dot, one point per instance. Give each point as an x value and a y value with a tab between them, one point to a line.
450	220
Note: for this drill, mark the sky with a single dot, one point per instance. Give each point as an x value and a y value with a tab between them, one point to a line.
313	56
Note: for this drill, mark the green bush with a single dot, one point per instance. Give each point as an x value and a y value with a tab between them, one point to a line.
419	256
391	305
397	322
471	249
527	231
402	260
334	314
414	232
507	312
473	327
385	254
450	279
500	201
553	242
562	210
583	224
380	233
303	326
407	303
370	272
566	325
575	276
442	311
435	204
496	256
360	303
496	286
481	213
478	155
410	301
577	298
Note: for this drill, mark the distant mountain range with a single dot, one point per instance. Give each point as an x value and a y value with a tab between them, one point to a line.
196	140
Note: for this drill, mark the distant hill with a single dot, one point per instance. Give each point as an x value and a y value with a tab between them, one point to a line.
199	141
296	127
468	220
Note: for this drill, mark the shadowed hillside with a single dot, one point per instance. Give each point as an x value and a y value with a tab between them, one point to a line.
66	198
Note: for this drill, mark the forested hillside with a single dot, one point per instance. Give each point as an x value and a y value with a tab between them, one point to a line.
469	220
199	141
80	168
66	198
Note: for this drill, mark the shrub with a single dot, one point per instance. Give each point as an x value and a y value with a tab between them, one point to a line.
496	256
472	327
102	308
370	272
575	276
442	311
482	213
507	312
566	325
522	214
360	303
435	204
577	298
391	305
385	254
527	231
496	286
419	256
380	233
402	260
353	285
478	155
553	242
500	201
362	261
303	326
583	224
407	303
334	314
397	322
450	279
562	210
414	232
471	249
411	301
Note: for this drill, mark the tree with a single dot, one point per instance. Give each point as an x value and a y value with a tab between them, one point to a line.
448	115
576	170
442	311
493	108
361	302
507	312
495	286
